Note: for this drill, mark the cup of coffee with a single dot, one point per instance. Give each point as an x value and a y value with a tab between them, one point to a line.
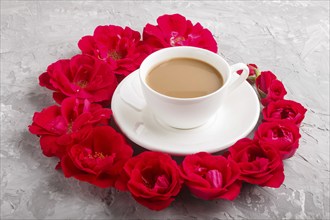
184	87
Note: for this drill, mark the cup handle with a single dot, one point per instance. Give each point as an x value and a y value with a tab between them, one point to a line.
239	79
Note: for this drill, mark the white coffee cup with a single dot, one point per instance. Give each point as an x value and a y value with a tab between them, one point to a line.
188	113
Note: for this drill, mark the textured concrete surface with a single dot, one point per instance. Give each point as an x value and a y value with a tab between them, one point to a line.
290	38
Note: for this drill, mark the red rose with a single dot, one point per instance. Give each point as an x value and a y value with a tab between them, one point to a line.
99	159
120	47
211	177
152	178
176	30
253	72
284	110
269	88
259	164
59	127
264	81
276	92
82	77
282	136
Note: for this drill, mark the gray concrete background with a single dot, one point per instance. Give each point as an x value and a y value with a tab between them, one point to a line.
290	38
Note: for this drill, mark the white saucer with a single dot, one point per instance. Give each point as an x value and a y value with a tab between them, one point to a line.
234	120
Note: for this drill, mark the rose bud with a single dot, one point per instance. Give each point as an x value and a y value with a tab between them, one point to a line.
276	92
284	110
253	73
264	81
259	164
282	136
211	177
152	178
269	88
